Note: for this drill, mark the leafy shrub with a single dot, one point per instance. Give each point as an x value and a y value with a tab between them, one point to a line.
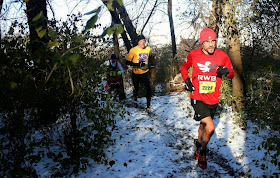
263	97
56	86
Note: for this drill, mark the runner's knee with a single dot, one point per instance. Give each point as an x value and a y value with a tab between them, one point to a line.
210	130
208	126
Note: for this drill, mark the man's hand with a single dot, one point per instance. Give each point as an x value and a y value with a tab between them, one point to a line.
222	70
142	64
189	85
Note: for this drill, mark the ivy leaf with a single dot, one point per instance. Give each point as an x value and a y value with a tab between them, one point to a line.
42	33
38	28
52	43
74	58
37	17
91	22
120	2
116	28
119	29
78	39
110	31
52	33
110	5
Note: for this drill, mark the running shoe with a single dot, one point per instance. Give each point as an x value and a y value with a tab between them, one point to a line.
202	162
196	153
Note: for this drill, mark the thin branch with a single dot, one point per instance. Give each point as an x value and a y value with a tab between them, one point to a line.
69	50
223	33
75	6
152	11
51	73
71	80
143	8
60	58
51	8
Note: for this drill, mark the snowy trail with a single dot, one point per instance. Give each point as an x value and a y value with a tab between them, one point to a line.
182	143
160	145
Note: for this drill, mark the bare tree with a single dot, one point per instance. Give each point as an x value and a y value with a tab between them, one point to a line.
175	66
150	15
119	16
116	20
131	30
171	24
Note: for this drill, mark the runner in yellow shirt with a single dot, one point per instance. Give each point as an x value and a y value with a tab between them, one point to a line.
138	58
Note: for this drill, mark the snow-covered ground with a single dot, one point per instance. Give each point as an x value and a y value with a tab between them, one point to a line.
161	144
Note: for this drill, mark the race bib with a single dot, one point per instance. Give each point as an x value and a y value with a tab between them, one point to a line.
112	73
207	87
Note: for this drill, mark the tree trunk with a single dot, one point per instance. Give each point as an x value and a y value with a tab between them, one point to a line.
116	45
235	56
174	67
171	24
116	20
153	71
116	42
127	23
33	8
1	3
215	16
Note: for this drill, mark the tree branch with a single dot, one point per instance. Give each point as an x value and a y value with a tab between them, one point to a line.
152	11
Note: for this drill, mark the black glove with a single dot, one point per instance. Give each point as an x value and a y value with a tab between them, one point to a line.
132	63
222	70
189	85
142	64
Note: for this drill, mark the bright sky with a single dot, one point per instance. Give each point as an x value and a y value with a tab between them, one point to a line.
159	30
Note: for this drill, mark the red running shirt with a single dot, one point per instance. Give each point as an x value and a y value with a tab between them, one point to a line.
204	74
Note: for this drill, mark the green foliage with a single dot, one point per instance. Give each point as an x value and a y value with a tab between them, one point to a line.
263	96
163	66
272	145
120	2
116	28
226	91
91	22
263	102
57	85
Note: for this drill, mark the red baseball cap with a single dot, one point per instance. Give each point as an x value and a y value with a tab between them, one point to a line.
207	34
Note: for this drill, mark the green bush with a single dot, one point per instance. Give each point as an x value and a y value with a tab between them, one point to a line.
56	86
262	76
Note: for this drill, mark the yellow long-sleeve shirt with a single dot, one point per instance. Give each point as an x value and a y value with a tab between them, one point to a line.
137	55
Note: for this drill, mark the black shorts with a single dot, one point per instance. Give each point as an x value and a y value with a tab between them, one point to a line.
202	109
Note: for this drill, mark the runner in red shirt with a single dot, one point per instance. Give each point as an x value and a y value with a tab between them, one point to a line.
209	65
